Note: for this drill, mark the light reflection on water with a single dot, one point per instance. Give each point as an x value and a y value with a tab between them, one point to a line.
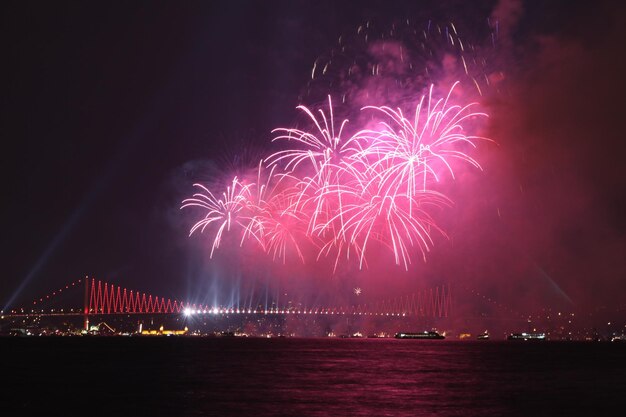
315	377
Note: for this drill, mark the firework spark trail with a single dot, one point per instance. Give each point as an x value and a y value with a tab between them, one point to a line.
271	221
369	217
330	157
341	194
221	211
404	57
406	150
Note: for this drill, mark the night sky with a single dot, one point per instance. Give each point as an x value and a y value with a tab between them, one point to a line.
111	110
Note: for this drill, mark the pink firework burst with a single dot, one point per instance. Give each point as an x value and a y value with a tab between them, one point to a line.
270	217
221	212
406	154
323	160
343	195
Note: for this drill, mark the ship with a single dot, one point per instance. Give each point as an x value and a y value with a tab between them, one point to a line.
527	336
422	335
483	336
163	332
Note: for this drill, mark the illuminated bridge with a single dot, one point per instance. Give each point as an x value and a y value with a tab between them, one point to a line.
103	298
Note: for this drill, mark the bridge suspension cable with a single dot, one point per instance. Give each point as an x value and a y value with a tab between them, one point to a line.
103	298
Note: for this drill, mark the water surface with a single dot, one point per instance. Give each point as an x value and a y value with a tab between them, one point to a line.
187	376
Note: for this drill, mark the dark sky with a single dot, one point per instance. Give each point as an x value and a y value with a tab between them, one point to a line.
112	109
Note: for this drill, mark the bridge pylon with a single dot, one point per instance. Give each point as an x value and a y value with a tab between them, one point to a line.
86	308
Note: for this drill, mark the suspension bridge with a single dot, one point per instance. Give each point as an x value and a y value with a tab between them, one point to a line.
105	298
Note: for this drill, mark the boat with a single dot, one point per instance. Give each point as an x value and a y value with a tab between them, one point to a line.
527	336
422	335
483	336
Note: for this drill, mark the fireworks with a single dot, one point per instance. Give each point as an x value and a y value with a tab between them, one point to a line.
411	149
342	190
220	211
396	62
342	194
